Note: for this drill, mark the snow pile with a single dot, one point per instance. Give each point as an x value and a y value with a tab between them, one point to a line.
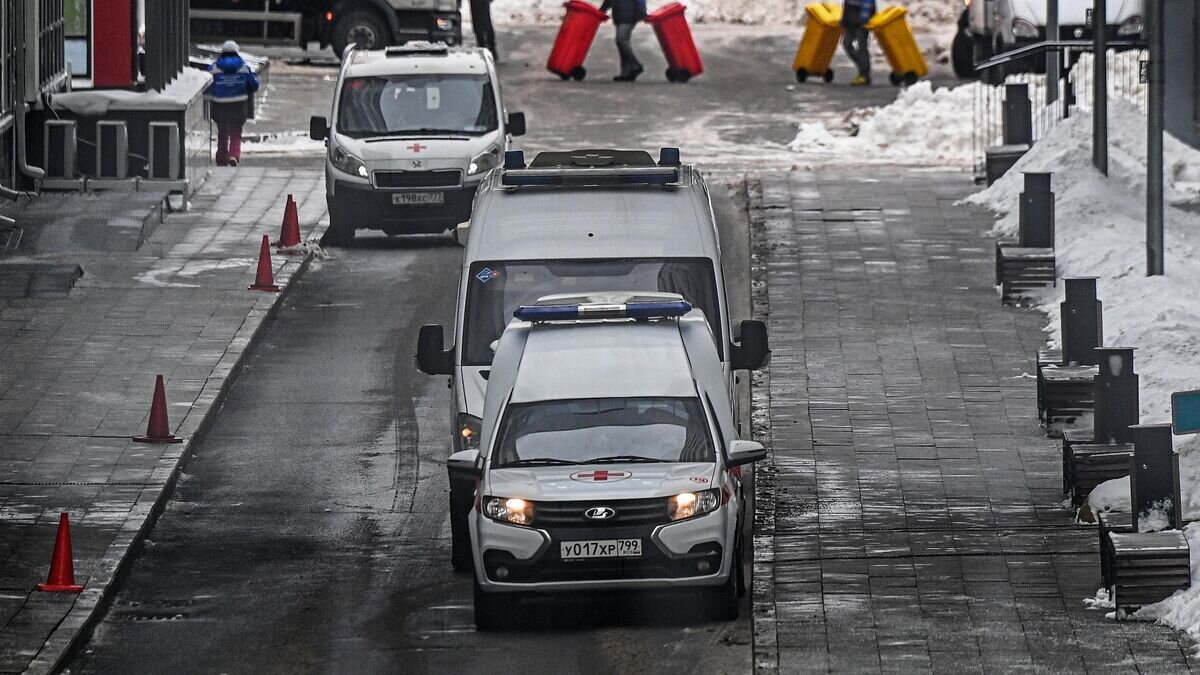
1100	231
923	14
1111	495
923	125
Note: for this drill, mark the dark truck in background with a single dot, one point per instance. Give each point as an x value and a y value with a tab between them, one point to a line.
370	24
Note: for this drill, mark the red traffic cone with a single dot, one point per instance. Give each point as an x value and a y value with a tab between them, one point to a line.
264	280
289	235
62	565
158	430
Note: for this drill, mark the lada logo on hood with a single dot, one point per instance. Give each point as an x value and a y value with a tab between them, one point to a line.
599	513
599	476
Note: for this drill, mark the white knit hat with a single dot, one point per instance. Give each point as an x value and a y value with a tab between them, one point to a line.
230	47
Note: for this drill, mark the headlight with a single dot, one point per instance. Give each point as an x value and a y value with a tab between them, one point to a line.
1131	26
691	504
1023	29
348	163
484	162
508	510
466	435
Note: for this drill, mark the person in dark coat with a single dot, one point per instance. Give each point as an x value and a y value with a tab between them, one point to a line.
625	15
233	83
481	21
855	15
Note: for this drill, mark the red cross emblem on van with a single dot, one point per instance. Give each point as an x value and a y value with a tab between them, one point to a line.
599	476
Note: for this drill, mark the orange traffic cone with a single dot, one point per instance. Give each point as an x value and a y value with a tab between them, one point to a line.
264	280
289	235
158	430
62	565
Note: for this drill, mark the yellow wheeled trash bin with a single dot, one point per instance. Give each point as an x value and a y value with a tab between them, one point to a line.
819	42
895	36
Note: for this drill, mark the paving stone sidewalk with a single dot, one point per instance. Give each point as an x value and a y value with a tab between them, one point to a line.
76	377
909	518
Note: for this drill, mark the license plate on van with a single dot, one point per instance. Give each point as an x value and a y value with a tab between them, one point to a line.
418	198
604	548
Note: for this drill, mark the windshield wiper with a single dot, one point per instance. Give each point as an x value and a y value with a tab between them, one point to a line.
631	459
537	461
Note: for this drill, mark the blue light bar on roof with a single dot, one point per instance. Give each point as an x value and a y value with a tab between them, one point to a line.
632	310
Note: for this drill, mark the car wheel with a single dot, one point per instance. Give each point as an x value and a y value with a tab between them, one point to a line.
722	600
493	610
462	498
340	232
962	55
364	29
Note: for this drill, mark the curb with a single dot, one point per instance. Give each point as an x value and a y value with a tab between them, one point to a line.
70	634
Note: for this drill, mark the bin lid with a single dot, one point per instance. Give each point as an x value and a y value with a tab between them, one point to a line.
664	12
580	6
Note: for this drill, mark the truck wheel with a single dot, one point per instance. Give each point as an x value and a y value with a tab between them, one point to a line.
493	610
462	498
962	55
361	28
340	232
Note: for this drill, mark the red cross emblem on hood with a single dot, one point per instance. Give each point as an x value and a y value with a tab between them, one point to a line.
599	476
417	147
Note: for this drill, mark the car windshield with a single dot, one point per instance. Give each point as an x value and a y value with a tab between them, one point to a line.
496	289
604	430
417	104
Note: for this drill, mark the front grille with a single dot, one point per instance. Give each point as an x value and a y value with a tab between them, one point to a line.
418	179
629	513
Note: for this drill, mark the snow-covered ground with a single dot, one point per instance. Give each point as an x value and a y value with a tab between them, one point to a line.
924	14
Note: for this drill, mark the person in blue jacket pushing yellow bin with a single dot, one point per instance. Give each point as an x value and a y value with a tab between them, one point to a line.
855	15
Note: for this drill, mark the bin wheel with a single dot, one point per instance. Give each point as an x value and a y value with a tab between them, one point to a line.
564	77
578	73
828	76
801	74
894	78
671	75
682	75
910	78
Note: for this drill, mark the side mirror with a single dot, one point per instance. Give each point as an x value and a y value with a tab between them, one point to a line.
745	452
432	356
516	123
318	128
460	233
751	352
464	465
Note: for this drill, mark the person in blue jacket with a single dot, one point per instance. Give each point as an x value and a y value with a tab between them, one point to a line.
855	15
233	83
625	15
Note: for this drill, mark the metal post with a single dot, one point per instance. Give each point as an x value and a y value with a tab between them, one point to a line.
1154	480
1082	322
1054	57
1100	87
1154	140
1115	392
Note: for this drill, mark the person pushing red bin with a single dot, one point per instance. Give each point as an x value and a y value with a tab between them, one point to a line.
582	21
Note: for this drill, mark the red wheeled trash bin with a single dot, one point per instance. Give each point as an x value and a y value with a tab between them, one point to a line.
671	28
574	39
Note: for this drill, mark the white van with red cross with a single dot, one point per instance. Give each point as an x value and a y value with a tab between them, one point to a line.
609	458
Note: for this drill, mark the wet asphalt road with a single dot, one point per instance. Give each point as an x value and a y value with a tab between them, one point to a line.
309	532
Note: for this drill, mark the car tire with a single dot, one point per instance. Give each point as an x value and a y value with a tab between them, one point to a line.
962	55
461	501
365	28
340	232
493	610
722	601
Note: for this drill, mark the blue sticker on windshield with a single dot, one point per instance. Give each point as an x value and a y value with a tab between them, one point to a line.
487	274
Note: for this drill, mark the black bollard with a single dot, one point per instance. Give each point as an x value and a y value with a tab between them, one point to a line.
1154	481
1081	321
1037	212
1018	115
1115	393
